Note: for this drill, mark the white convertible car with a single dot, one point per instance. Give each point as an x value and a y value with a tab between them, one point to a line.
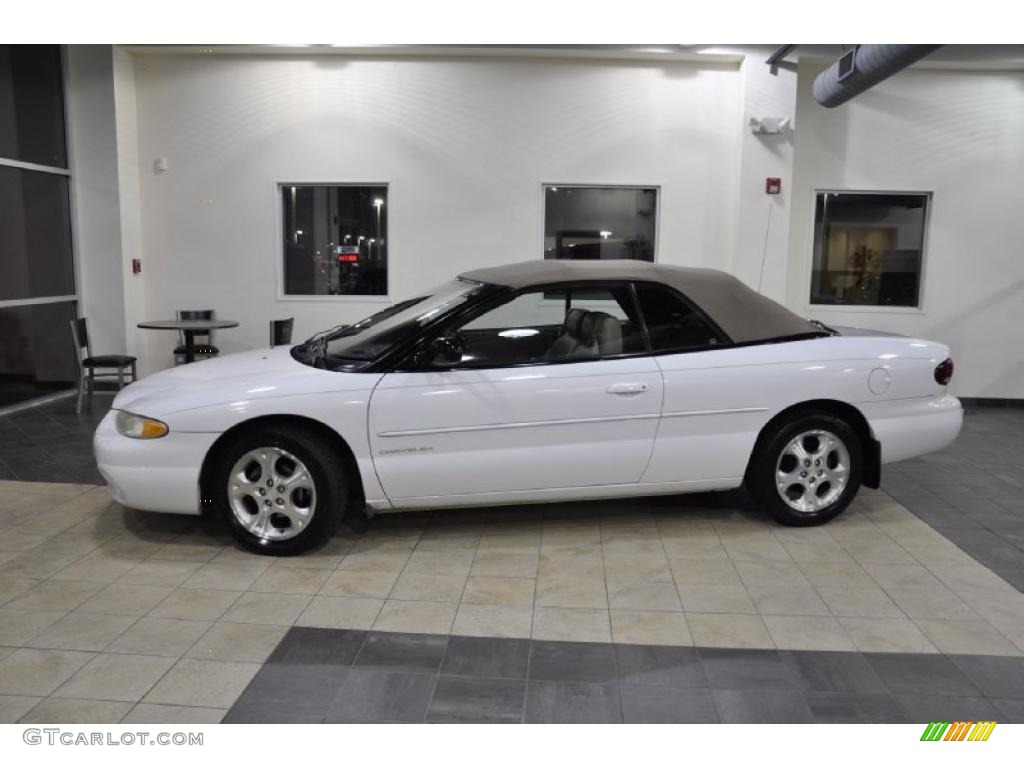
540	381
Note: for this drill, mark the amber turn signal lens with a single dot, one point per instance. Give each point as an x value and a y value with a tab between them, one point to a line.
152	428
141	427
944	371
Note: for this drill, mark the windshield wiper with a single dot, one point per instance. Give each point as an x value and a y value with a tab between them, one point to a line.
823	328
311	350
324	334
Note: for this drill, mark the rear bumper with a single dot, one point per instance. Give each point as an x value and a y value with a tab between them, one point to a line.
909	428
159	475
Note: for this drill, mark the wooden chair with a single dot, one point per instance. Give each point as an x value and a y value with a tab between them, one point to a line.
281	331
88	365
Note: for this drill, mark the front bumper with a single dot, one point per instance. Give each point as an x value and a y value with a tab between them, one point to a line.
160	475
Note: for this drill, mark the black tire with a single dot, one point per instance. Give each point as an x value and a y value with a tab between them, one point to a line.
328	481
768	459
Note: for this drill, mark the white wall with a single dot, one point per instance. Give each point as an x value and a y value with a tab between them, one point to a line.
93	147
762	220
130	202
957	134
464	145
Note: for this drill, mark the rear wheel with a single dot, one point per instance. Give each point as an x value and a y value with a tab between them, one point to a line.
280	490
807	471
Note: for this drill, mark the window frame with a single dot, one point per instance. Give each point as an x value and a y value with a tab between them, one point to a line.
404	362
72	214
67	171
62	66
808	281
407	363
598	185
278	249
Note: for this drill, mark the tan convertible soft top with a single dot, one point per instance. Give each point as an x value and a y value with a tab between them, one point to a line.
743	313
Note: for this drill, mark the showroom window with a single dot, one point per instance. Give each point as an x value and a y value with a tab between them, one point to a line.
583	222
37	290
869	248
335	239
553	325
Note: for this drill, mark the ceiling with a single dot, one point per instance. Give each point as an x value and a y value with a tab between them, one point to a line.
949	56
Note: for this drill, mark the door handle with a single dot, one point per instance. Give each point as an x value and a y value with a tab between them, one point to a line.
627	389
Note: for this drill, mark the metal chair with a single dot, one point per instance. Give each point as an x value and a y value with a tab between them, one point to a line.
203	350
281	331
88	365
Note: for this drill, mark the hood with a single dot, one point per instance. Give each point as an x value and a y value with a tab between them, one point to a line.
260	373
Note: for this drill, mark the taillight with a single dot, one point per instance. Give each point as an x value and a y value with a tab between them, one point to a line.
944	371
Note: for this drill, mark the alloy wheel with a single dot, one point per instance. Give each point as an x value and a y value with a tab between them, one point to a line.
812	471
271	493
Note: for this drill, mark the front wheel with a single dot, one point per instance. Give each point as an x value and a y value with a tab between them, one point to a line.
808	470
280	490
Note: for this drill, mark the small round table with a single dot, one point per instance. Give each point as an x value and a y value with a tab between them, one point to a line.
190	328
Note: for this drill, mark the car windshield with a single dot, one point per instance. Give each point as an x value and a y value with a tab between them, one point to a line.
370	338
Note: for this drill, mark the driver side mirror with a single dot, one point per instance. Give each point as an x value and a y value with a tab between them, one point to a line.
445	351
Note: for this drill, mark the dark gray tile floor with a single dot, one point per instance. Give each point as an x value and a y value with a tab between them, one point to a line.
973	492
51	443
336	675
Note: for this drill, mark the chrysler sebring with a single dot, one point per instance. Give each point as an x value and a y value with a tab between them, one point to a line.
540	381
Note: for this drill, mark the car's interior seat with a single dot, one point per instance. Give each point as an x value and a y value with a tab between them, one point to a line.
600	334
569	337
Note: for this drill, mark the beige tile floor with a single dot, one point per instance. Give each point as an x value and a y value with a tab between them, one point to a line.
108	613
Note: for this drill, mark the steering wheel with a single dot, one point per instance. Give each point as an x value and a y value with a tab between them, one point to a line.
461	340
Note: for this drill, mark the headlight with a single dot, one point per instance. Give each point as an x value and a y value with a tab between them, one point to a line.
133	425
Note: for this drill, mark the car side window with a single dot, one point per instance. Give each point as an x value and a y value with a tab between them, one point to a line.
672	323
550	325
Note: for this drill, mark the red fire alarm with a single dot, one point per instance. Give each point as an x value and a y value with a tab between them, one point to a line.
773	185
136	266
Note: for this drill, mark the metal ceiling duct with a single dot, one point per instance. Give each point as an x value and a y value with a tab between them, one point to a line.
863	67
